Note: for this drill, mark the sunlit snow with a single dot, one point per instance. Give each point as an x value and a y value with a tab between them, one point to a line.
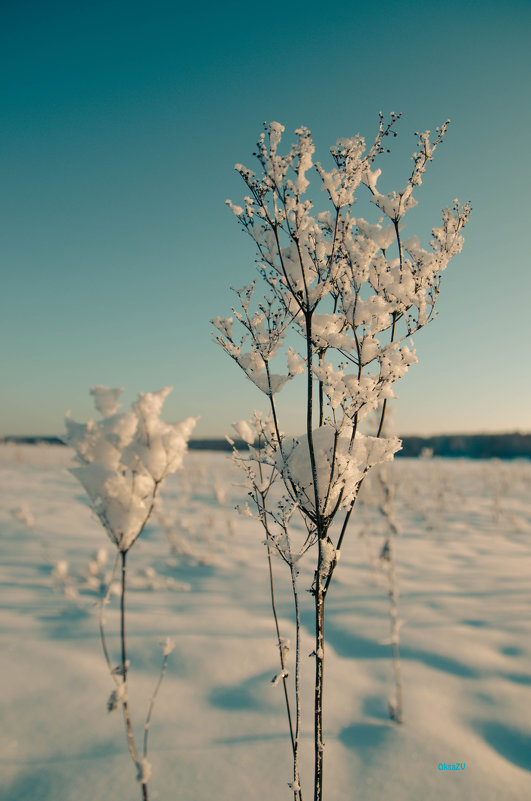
199	577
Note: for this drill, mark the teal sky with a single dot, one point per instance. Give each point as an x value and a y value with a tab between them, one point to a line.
120	126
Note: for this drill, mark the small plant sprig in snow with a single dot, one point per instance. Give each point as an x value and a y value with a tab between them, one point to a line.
354	292
124	459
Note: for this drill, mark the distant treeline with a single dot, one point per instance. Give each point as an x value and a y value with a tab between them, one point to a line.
471	446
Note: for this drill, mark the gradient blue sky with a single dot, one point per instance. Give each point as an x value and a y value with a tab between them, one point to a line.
121	123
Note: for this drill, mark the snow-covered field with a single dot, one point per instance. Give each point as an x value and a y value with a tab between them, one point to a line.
199	575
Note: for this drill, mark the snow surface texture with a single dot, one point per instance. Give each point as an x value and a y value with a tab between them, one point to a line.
199	576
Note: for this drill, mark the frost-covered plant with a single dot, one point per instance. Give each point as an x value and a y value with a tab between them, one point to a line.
23	515
354	292
199	534
379	491
387	488
96	572
123	461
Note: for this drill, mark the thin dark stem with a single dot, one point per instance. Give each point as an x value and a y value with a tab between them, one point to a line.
296	773
309	421
152	704
319	596
303	272
122	616
382	418
321	397
124	669
273	406
331	478
280	644
319	681
272	403
297	793
104	602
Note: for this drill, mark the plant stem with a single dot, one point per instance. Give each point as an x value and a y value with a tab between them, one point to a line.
309	417
104	602
296	774
152	704
321	395
396	709
125	702
319	681
319	589
280	644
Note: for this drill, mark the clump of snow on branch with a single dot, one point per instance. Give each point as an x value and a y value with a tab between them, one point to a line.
124	458
341	463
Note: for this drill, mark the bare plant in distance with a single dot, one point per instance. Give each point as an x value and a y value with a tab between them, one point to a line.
354	292
383	490
387	561
124	459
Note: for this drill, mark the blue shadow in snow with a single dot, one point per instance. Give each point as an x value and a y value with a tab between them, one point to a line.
352	646
519	678
376	706
513	745
512	650
364	735
248	694
35	785
252	738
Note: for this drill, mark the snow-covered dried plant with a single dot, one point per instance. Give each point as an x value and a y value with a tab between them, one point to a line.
65	583
123	460
379	492
354	292
387	563
96	572
23	515
198	521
